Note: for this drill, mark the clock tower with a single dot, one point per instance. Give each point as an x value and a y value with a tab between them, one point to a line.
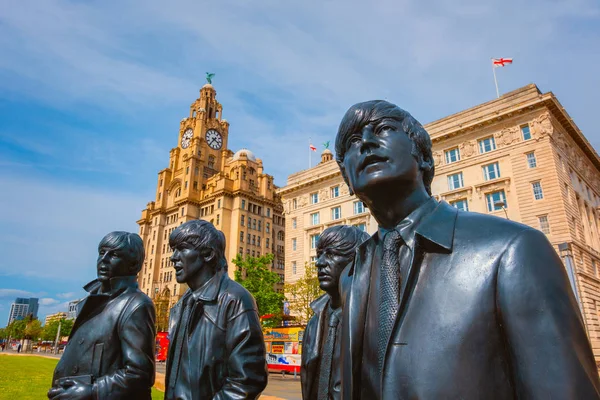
204	179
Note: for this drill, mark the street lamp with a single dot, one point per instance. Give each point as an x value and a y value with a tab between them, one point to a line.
502	204
567	257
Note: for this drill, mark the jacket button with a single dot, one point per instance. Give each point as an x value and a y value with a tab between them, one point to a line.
81	341
75	369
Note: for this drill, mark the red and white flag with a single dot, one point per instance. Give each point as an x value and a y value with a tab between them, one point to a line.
313	148
501	62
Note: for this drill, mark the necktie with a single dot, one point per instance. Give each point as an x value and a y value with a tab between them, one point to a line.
327	357
180	339
389	292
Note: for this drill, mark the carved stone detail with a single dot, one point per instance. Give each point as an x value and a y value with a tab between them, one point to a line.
508	136
437	158
542	126
467	149
344	190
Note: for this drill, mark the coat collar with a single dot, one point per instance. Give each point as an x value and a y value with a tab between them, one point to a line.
320	303
210	290
436	227
117	285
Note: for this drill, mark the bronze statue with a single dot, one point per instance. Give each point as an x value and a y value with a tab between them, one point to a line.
110	353
216	349
321	345
442	304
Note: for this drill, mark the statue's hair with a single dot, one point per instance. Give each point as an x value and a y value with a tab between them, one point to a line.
367	112
204	237
131	242
343	239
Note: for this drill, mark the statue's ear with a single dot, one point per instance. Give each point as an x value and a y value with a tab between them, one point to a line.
343	172
209	256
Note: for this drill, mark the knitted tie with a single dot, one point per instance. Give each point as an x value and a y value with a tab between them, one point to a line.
327	357
389	291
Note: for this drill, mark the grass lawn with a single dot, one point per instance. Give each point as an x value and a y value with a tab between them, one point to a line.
29	378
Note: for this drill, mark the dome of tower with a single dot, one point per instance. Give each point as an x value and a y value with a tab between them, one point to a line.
244	152
208	86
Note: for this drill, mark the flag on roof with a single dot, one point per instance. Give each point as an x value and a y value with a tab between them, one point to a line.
501	62
313	148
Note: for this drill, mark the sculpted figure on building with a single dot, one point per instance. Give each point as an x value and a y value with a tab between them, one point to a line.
321	345
110	353
441	303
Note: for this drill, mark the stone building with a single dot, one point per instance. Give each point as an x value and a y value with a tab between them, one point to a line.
55	317
520	156
206	180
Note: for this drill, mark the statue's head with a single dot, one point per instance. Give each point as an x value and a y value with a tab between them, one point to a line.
378	144
197	245
335	250
119	254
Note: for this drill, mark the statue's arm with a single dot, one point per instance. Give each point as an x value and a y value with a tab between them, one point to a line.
544	333
247	364
137	336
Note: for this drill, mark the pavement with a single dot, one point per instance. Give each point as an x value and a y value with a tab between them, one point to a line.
279	387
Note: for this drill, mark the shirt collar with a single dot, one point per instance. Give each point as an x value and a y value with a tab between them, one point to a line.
409	225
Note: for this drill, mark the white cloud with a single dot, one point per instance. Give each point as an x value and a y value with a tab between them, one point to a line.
68	295
13	293
47	301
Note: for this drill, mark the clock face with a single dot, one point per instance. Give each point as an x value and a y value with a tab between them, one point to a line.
214	139
186	139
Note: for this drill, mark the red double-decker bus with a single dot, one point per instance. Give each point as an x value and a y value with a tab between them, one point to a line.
162	346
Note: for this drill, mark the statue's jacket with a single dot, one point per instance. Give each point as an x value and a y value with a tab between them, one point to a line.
224	353
113	339
486	312
314	334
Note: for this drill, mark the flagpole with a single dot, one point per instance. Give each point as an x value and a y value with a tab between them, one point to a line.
495	80
309	153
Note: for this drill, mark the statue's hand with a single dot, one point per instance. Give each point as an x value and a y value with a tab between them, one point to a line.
71	390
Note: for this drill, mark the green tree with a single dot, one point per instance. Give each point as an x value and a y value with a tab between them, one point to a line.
33	329
254	273
16	329
51	328
303	292
3	333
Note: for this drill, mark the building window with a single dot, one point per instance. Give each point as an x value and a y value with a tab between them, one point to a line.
280	235
247	252
196	171
268	228
293	223
242	218
187	170
258	240
314	218
531	161
294	204
544	224
254	224
267	243
487	144
259	225
218	218
313	260
211	162
248	238
254	240
359	207
242	236
526	132
496	200
538	194
455	181
452	155
241	250
294	244
268	213
314	239
462	204
294	267
362	226
336	213
219	203
195	185
491	171
335	191
243	204
314	198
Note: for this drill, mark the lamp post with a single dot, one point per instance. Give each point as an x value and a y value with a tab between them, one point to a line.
502	204
567	256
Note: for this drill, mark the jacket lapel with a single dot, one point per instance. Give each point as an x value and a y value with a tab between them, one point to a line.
357	305
314	353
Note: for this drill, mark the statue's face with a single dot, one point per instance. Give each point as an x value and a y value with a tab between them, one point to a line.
380	153
113	263
330	265
188	262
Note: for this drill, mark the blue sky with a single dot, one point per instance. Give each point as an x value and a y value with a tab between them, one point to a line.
92	92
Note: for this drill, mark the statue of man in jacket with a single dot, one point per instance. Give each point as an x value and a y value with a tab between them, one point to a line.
320	373
110	353
216	350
